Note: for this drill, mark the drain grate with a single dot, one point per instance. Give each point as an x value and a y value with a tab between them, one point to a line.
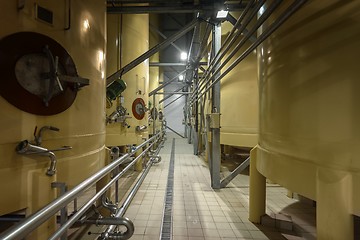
166	229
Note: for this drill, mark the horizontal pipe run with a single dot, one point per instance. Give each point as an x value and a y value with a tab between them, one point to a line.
241	43
174	100
165	84
174	131
89	203
231	36
232	20
169	64
172	93
247	36
169	96
29	224
170	9
153	28
151	52
275	25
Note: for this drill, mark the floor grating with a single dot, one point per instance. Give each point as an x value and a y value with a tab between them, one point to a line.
166	229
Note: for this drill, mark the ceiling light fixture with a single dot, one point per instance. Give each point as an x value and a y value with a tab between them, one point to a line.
222	14
183	55
181	77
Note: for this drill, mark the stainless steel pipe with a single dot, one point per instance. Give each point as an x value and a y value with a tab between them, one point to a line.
129	198
24	147
29	224
84	208
226	46
275	25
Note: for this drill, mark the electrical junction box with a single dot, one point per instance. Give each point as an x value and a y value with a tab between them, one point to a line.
214	120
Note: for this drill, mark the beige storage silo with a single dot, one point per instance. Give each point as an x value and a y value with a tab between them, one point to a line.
239	99
35	36
128	38
308	132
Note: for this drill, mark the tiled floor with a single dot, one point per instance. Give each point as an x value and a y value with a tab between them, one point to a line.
199	212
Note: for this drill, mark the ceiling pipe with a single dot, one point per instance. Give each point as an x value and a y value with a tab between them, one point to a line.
169	96
174	100
226	45
259	22
165	84
154	29
275	25
151	52
170	8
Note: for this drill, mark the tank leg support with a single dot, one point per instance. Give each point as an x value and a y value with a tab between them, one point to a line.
139	164
333	218
257	190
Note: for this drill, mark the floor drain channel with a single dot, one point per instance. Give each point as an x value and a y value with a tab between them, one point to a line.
166	229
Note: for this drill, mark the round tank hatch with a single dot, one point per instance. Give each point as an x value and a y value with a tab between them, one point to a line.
154	113
33	68
138	108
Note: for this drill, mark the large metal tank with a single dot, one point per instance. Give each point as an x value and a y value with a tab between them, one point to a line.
78	30
239	100
155	76
309	133
128	38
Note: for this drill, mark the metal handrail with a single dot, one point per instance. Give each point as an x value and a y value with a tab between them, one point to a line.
89	203
29	224
125	205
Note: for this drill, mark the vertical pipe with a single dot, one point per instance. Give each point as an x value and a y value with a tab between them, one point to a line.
188	117
153	117
196	127
63	212
215	132
185	117
257	190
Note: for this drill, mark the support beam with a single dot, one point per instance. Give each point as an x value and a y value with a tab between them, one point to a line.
165	84
174	131
230	18
173	101
172	93
151	52
236	172
182	64
175	8
215	132
167	97
153	28
161	64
